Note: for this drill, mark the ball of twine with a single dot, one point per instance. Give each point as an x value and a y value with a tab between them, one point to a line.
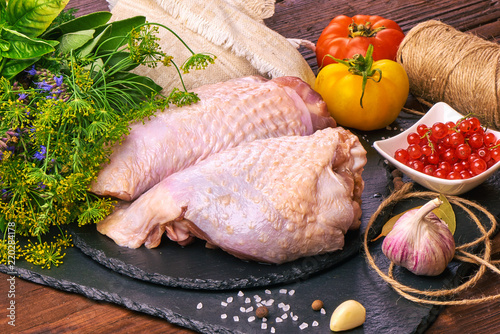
462	253
460	69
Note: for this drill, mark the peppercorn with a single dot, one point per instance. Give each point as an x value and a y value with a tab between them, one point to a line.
317	305
261	312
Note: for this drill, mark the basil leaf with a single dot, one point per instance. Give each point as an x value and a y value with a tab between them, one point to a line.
119	31
90	46
32	17
86	22
14	66
74	40
22	47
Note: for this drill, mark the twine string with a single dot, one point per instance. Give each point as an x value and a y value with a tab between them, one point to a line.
435	297
461	69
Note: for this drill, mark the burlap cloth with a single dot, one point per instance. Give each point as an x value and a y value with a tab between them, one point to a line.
232	30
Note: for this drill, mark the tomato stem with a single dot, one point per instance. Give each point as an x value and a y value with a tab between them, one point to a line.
363	30
359	65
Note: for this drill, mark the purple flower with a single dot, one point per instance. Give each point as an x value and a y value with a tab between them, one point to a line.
22	96
58	80
40	155
31	71
44	85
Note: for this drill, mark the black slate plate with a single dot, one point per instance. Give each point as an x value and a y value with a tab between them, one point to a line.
196	267
204	310
232	311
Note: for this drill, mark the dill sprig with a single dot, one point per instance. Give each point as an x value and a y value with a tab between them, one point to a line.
59	120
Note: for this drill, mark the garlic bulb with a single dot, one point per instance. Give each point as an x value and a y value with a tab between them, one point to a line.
420	241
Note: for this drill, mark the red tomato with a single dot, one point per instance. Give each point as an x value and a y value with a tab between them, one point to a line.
345	36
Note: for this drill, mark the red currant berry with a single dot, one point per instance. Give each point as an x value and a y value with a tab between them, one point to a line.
413	138
422	129
439	130
454	176
430	169
489	139
433	159
475	124
495	154
476	140
445	166
463	151
440	173
414	151
449	156
456	138
478	166
465	174
401	155
464	126
484	153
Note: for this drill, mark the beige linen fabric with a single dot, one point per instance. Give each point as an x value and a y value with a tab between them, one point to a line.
232	30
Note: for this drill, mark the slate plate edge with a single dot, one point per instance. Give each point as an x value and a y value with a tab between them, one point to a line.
99	295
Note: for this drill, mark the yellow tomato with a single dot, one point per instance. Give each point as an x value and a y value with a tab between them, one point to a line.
382	101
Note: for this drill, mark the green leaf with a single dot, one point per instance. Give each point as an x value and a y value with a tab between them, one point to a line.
444	212
23	47
14	66
86	22
86	49
72	41
33	17
4	45
119	31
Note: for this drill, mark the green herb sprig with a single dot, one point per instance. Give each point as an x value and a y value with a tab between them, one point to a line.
61	116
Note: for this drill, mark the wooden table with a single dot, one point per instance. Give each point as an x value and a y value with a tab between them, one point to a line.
45	310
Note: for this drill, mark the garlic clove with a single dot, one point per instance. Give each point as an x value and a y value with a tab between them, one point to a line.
348	315
420	241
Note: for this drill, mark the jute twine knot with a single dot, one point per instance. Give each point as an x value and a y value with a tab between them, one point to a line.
460	69
441	297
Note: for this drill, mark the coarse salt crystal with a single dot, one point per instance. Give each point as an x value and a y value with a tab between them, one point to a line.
286	307
199	306
269	302
259	304
295	318
240	294
323	311
242	309
250	319
223	316
223	303
303	325
229	299
250	309
284	316
315	323
291	292
236	318
257	298
273	330
278	319
283	291
268	292
281	305
263	325
247	300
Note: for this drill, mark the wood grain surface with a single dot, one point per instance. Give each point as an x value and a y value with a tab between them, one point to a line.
42	309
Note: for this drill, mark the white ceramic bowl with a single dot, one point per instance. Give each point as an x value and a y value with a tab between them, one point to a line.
440	112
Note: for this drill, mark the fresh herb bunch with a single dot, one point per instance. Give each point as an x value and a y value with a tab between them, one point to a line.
59	118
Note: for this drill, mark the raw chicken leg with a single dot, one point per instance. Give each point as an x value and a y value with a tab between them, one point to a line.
271	200
229	113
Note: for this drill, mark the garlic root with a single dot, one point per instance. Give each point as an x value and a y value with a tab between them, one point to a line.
348	315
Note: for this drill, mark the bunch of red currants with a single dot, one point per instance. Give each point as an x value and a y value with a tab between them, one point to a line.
451	150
